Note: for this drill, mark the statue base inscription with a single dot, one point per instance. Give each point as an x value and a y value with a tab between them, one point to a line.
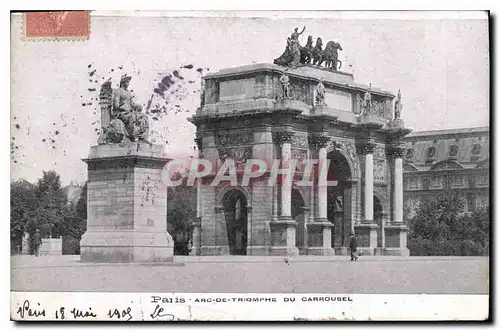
126	205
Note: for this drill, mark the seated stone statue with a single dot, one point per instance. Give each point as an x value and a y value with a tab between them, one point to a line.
121	118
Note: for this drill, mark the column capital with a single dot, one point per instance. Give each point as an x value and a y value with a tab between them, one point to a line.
318	140
366	147
282	137
396	151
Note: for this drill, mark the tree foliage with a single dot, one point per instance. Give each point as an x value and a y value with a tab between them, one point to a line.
44	206
181	212
440	227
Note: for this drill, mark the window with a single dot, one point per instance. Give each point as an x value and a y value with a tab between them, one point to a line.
453	151
431	152
476	150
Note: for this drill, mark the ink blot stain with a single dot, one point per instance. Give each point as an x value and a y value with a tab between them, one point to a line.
189	66
17	126
200	70
176	74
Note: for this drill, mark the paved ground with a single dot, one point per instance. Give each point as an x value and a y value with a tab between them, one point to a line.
249	274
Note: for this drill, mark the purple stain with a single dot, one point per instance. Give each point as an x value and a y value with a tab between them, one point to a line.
112	70
155	118
84	104
57	132
91	89
200	70
17	126
189	66
90	65
44	140
92	73
176	74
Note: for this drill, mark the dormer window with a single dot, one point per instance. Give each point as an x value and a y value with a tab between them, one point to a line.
476	150
453	152
431	153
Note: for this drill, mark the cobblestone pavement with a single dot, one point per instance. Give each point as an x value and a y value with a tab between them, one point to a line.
308	274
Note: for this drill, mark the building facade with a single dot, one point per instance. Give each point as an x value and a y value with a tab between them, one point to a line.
447	159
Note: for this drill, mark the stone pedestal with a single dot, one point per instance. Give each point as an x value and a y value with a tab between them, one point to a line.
396	239
371	120
319	237
126	205
283	238
366	235
397	123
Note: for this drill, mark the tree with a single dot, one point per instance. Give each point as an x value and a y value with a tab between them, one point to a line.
52	205
22	213
44	206
181	211
440	227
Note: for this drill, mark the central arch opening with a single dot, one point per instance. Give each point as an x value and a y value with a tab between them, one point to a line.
235	211
339	198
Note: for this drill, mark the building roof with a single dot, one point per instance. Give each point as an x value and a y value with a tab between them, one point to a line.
448	132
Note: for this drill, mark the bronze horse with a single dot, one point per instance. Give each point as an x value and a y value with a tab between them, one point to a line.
317	52
331	56
306	51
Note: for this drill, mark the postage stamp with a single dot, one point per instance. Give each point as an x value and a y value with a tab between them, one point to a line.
270	166
56	25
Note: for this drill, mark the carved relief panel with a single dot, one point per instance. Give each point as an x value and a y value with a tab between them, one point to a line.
379	170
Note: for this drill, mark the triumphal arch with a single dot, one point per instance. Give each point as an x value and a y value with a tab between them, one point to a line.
299	109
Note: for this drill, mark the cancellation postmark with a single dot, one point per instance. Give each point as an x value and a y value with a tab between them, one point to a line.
57	25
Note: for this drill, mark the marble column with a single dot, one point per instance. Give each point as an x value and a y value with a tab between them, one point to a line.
286	184
368	150
196	248
283	231
398	185
367	230
197	240
322	188
320	230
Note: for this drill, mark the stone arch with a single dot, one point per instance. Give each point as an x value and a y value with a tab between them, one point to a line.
303	193
235	220
224	190
353	164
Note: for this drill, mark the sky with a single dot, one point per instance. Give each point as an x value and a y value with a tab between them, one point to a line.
441	66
